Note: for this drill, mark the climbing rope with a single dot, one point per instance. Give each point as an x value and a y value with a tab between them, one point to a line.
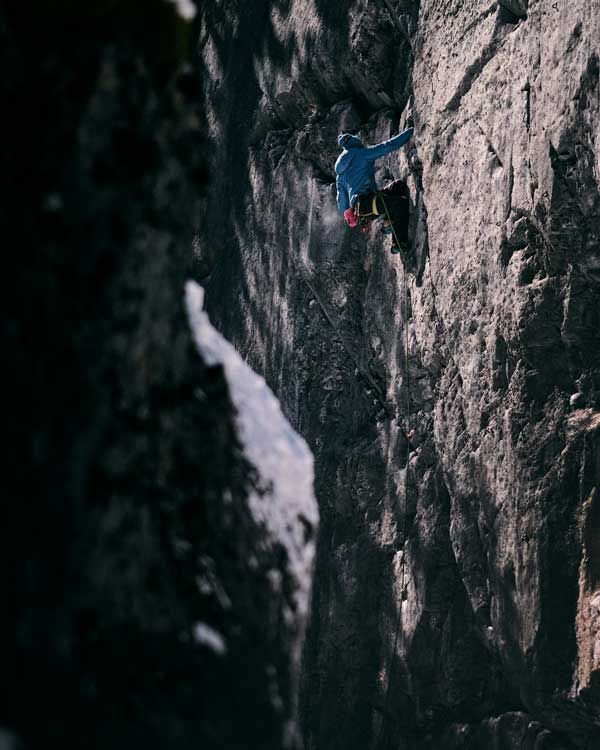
398	245
381	734
355	356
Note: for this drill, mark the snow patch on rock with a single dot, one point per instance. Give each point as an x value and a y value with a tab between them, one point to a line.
207	636
285	503
186	9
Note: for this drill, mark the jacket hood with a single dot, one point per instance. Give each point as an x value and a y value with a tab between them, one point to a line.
347	140
345	158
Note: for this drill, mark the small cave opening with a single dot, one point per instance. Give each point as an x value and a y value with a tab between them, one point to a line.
512	11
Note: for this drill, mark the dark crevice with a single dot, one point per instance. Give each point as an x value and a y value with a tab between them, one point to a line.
512	11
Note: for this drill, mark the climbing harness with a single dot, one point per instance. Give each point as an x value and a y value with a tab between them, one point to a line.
369	210
373	206
366	211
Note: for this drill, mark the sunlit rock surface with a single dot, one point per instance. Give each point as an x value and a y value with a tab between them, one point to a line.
494	536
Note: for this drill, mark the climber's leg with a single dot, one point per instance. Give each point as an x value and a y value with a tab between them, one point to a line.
395	202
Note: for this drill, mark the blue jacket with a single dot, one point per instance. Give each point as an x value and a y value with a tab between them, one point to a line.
355	166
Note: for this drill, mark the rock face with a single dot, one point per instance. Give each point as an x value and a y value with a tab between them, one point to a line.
260	569
155	567
456	592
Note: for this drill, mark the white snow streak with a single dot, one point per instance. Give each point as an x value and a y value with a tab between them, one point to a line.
186	9
209	637
282	458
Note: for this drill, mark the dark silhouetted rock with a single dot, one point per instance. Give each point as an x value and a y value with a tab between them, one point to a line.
154	576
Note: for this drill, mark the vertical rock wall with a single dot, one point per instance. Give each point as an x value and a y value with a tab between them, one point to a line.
456	605
509	125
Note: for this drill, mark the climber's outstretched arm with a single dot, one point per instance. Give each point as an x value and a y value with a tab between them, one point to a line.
386	147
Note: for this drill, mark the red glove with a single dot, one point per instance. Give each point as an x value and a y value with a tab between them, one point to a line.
350	218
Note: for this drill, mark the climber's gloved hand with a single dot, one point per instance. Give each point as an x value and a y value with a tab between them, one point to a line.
350	218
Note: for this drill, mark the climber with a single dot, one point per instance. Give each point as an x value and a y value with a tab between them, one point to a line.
359	200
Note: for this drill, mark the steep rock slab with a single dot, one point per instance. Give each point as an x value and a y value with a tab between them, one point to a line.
479	546
513	234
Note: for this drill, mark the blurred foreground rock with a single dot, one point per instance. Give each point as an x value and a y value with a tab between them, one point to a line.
147	599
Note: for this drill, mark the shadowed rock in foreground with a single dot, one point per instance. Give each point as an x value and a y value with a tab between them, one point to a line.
154	568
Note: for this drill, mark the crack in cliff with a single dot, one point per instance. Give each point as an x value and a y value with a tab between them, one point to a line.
510	187
586	214
492	8
490	144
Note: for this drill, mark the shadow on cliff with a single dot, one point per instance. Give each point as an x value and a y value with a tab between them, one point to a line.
240	46
558	244
561	346
347	650
556	247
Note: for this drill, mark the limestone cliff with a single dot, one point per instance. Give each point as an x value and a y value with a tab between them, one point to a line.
456	595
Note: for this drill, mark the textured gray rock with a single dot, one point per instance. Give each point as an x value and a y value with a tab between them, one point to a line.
495	539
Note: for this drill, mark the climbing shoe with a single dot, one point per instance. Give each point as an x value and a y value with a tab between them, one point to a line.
387	229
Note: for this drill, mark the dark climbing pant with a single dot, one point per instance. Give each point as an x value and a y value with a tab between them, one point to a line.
390	203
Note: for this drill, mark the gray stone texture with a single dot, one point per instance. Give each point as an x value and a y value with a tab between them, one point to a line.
487	538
